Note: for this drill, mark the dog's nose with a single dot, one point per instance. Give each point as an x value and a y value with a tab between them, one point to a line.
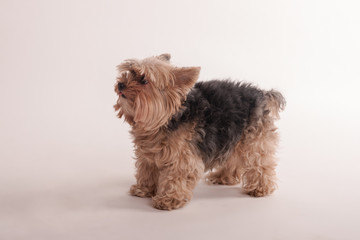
121	86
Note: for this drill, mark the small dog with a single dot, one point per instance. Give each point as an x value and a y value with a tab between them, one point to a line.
182	129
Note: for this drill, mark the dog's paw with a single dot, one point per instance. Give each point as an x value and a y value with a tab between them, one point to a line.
141	191
168	203
261	191
214	178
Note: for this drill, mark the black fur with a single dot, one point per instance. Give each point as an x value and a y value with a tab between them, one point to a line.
221	110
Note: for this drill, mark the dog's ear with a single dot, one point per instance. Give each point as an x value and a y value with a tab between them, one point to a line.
164	57
186	77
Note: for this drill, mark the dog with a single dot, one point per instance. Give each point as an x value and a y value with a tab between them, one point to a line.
182	129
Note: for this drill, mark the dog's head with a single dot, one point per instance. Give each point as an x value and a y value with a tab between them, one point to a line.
151	90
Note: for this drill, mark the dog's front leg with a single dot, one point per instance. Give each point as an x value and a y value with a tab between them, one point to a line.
176	182
146	178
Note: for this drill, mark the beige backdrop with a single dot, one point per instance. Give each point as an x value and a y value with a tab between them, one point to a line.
66	161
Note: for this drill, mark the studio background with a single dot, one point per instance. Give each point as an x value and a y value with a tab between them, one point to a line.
66	161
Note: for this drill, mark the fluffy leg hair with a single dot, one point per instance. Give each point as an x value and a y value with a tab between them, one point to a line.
257	149
147	176
228	174
176	182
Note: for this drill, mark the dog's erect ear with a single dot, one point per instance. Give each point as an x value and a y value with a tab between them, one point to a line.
164	57
186	77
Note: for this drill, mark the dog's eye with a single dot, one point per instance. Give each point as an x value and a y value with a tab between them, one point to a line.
132	72
143	81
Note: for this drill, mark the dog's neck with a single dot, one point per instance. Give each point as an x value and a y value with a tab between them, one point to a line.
149	138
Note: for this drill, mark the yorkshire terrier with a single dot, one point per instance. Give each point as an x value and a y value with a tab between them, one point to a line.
182	129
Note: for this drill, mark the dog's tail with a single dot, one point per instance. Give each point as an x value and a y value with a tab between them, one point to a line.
275	102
